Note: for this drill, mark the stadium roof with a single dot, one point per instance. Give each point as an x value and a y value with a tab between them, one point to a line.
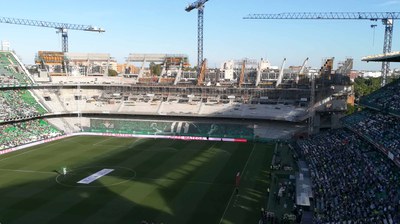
390	57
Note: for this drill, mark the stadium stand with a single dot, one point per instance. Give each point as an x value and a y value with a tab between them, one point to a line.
11	73
26	132
180	128
352	182
382	130
18	104
100	100
386	98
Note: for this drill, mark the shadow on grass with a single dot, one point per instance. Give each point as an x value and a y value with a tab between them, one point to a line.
189	182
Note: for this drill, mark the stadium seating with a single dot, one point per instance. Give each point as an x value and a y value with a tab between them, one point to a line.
381	129
11	73
18	104
352	182
171	128
386	98
25	132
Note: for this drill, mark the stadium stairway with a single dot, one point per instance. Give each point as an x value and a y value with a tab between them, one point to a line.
121	106
160	106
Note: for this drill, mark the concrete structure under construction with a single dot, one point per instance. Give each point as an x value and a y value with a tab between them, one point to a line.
52	63
172	66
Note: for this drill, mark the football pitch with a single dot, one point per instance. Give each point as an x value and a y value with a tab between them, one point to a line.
157	180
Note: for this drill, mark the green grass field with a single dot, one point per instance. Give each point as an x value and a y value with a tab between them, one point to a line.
161	181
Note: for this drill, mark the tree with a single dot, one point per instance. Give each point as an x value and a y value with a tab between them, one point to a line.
112	72
364	86
155	69
350	109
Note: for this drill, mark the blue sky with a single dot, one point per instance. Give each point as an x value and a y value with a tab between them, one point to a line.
160	26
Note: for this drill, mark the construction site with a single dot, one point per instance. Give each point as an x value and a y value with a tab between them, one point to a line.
175	140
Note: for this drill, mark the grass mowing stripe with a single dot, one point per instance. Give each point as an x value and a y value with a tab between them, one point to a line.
214	201
253	188
242	173
112	210
63	157
85	205
196	194
26	197
180	181
105	140
148	200
170	164
177	182
34	149
57	203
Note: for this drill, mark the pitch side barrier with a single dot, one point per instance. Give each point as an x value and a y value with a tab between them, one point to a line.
185	138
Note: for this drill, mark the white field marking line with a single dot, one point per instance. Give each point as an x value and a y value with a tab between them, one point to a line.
28	171
71	140
49	144
212	147
107	139
219	150
136	141
229	202
129	145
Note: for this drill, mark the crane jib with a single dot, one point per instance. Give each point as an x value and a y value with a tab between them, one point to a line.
387	19
56	25
60	27
327	15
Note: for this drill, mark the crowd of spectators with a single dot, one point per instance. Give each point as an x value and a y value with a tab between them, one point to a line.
16	134
380	128
18	103
386	98
352	182
11	72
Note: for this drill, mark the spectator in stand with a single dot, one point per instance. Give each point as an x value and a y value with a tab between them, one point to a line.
13	135
382	129
387	98
18	104
352	181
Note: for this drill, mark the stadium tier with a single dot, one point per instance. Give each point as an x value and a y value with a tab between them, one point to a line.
21	133
351	181
171	128
354	174
385	99
18	103
123	101
382	130
11	72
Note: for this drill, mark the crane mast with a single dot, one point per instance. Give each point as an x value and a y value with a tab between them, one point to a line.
241	78
61	28
387	19
387	47
200	78
199	5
